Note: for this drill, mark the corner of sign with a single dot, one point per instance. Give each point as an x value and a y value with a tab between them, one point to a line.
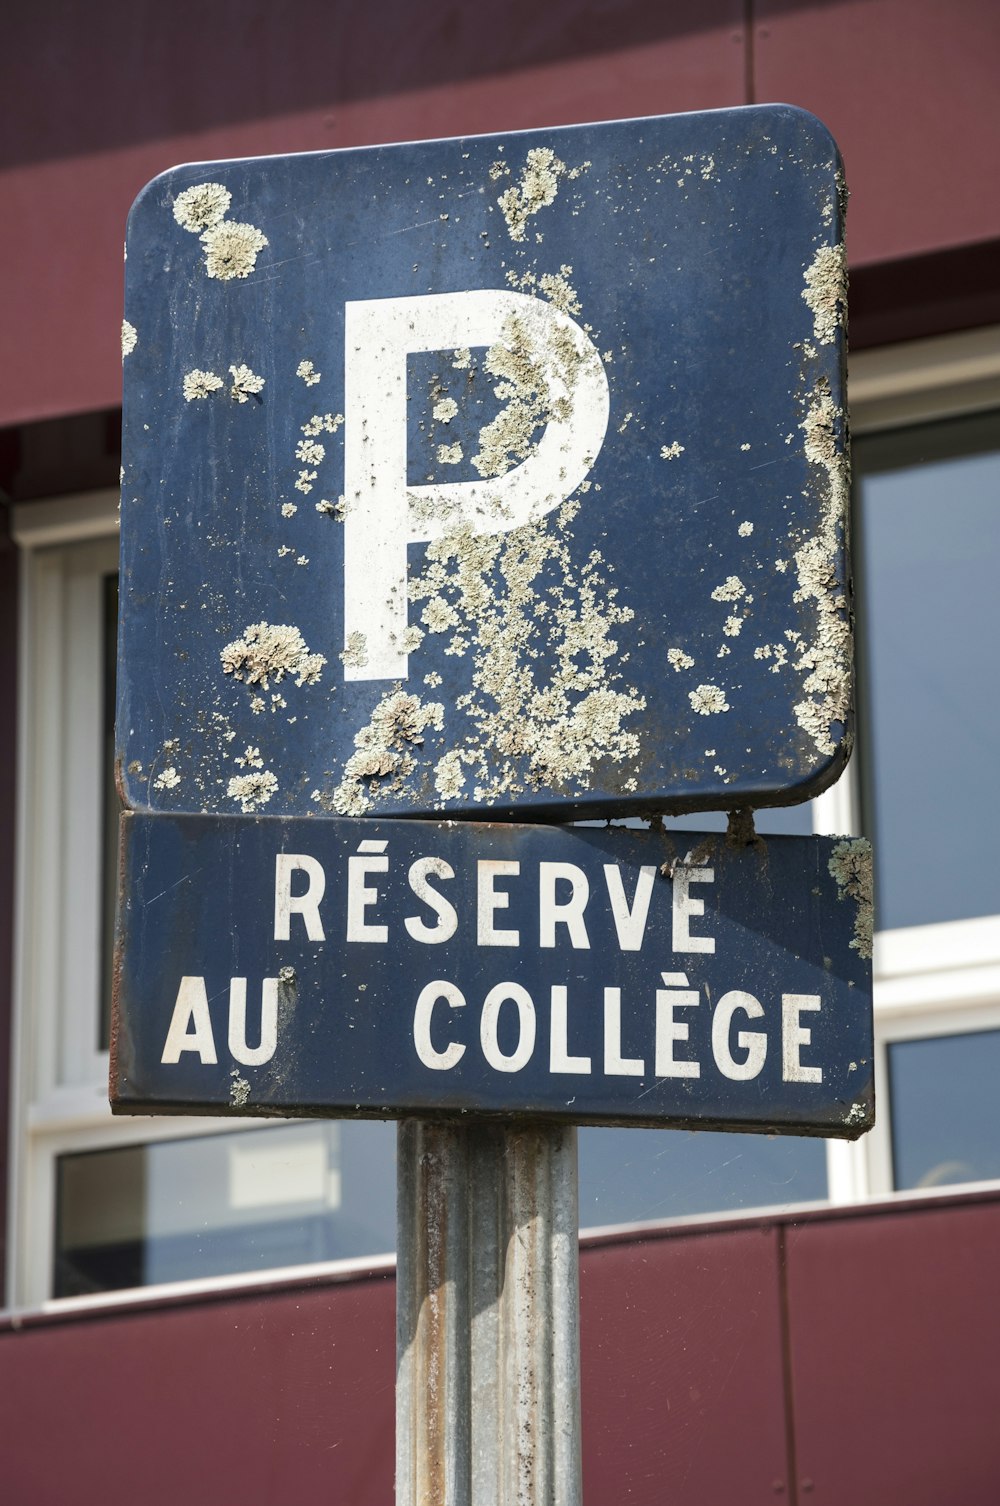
812	133
859	1116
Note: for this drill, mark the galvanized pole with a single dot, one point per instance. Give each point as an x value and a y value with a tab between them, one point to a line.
487	1315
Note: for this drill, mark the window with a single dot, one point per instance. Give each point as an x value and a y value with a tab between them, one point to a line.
927	543
101	1204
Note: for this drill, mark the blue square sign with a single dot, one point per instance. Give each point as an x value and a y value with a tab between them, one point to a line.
489	476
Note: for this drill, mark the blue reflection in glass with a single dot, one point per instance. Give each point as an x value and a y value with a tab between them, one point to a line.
637	1176
931	554
945	1109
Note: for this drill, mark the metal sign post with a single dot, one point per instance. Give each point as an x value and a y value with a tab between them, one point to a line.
487	1314
501	479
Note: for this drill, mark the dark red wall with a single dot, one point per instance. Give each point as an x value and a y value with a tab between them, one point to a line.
96	100
844	1357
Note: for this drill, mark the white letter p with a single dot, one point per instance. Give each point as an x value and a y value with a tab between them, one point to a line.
383	515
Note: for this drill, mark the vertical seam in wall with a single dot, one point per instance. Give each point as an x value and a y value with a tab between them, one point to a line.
749	83
791	1452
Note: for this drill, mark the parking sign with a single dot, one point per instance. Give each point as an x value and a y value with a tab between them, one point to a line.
490	476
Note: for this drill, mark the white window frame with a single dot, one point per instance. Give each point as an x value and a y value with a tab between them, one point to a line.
59	1081
931	980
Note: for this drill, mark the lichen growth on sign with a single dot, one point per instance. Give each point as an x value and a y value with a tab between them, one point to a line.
130	338
708	699
321	422
537	188
826	292
826	658
546	705
199	384
252	790
355	654
730	590
852	868
239	1090
269	651
533	389
231	249
385	749
200	207
310	451
245	384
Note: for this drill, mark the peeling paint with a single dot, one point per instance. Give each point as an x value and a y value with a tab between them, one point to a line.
852	868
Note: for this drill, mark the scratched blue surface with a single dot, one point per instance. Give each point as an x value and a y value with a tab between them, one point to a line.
686	241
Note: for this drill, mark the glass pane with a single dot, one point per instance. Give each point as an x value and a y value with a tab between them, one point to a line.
213	1205
930	532
945	1109
635	1176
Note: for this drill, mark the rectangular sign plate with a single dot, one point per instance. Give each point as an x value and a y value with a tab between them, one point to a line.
495	475
596	976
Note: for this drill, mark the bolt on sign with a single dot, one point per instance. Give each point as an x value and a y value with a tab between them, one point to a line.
494	476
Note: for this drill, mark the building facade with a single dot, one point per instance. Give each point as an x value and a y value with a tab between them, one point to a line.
196	1312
